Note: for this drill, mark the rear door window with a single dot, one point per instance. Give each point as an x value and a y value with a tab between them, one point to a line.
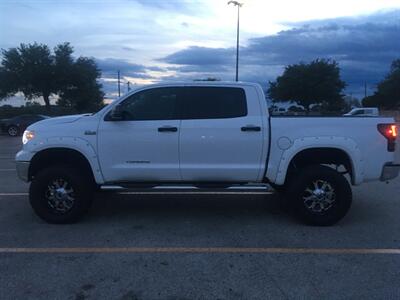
213	103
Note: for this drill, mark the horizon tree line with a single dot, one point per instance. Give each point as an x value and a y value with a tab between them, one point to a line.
35	71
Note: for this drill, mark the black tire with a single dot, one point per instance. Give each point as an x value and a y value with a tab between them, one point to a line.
42	197
13	130
334	202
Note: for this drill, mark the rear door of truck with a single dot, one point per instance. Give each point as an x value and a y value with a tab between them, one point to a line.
221	135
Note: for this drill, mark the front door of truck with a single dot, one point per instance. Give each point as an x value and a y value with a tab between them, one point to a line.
143	145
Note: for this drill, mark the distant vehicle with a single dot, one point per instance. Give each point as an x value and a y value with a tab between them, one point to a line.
16	125
363	112
279	111
203	134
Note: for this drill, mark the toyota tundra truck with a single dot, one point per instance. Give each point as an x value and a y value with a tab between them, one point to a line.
204	135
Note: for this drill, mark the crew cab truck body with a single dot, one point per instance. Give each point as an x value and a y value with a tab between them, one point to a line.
204	134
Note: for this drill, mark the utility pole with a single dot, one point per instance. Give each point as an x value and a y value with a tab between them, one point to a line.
129	86
365	89
239	5
119	85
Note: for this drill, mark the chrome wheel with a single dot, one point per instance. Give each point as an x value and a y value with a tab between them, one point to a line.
13	131
319	196
60	196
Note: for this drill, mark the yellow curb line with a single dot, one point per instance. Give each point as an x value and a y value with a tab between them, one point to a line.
201	250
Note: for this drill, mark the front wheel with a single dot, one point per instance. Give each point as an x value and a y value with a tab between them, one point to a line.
319	195
60	194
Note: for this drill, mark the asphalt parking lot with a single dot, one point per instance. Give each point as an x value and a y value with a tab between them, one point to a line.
196	246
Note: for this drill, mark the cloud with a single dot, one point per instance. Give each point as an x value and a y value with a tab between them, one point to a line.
155	68
364	42
128	49
364	48
111	66
181	6
130	35
200	56
128	72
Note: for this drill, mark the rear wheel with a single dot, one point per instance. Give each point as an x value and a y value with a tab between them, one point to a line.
60	194
13	130
319	195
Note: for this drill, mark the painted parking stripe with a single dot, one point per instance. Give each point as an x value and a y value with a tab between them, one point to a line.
13	194
206	250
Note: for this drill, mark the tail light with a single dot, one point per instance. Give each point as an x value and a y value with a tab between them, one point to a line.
390	132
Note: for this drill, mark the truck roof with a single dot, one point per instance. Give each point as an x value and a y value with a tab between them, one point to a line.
202	83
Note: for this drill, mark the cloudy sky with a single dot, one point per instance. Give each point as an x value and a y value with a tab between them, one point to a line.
154	40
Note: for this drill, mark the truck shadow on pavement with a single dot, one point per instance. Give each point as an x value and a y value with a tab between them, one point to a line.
110	205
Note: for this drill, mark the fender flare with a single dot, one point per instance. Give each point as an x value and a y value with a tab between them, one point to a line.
74	143
347	145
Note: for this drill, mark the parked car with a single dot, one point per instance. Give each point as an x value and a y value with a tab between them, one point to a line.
279	111
363	112
204	135
16	125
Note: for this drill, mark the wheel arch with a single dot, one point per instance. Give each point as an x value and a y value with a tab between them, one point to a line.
330	150
63	155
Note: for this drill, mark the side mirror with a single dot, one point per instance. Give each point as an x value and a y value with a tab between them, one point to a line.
116	114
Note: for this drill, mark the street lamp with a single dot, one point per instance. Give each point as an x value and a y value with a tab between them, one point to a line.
239	5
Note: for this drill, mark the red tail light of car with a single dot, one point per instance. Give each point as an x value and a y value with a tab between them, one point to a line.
390	132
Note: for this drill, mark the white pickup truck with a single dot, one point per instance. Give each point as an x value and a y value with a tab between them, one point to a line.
204	135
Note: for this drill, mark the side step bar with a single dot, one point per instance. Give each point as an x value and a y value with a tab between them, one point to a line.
189	189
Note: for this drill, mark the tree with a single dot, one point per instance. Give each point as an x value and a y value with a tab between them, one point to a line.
351	102
387	95
306	84
33	70
63	65
28	69
82	90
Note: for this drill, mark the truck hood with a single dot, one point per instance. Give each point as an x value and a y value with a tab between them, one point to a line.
57	120
61	120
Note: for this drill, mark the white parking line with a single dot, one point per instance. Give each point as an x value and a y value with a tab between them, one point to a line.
205	250
13	194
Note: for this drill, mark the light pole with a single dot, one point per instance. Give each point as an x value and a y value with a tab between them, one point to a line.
239	5
119	84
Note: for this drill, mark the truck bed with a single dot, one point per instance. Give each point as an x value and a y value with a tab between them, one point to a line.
360	132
